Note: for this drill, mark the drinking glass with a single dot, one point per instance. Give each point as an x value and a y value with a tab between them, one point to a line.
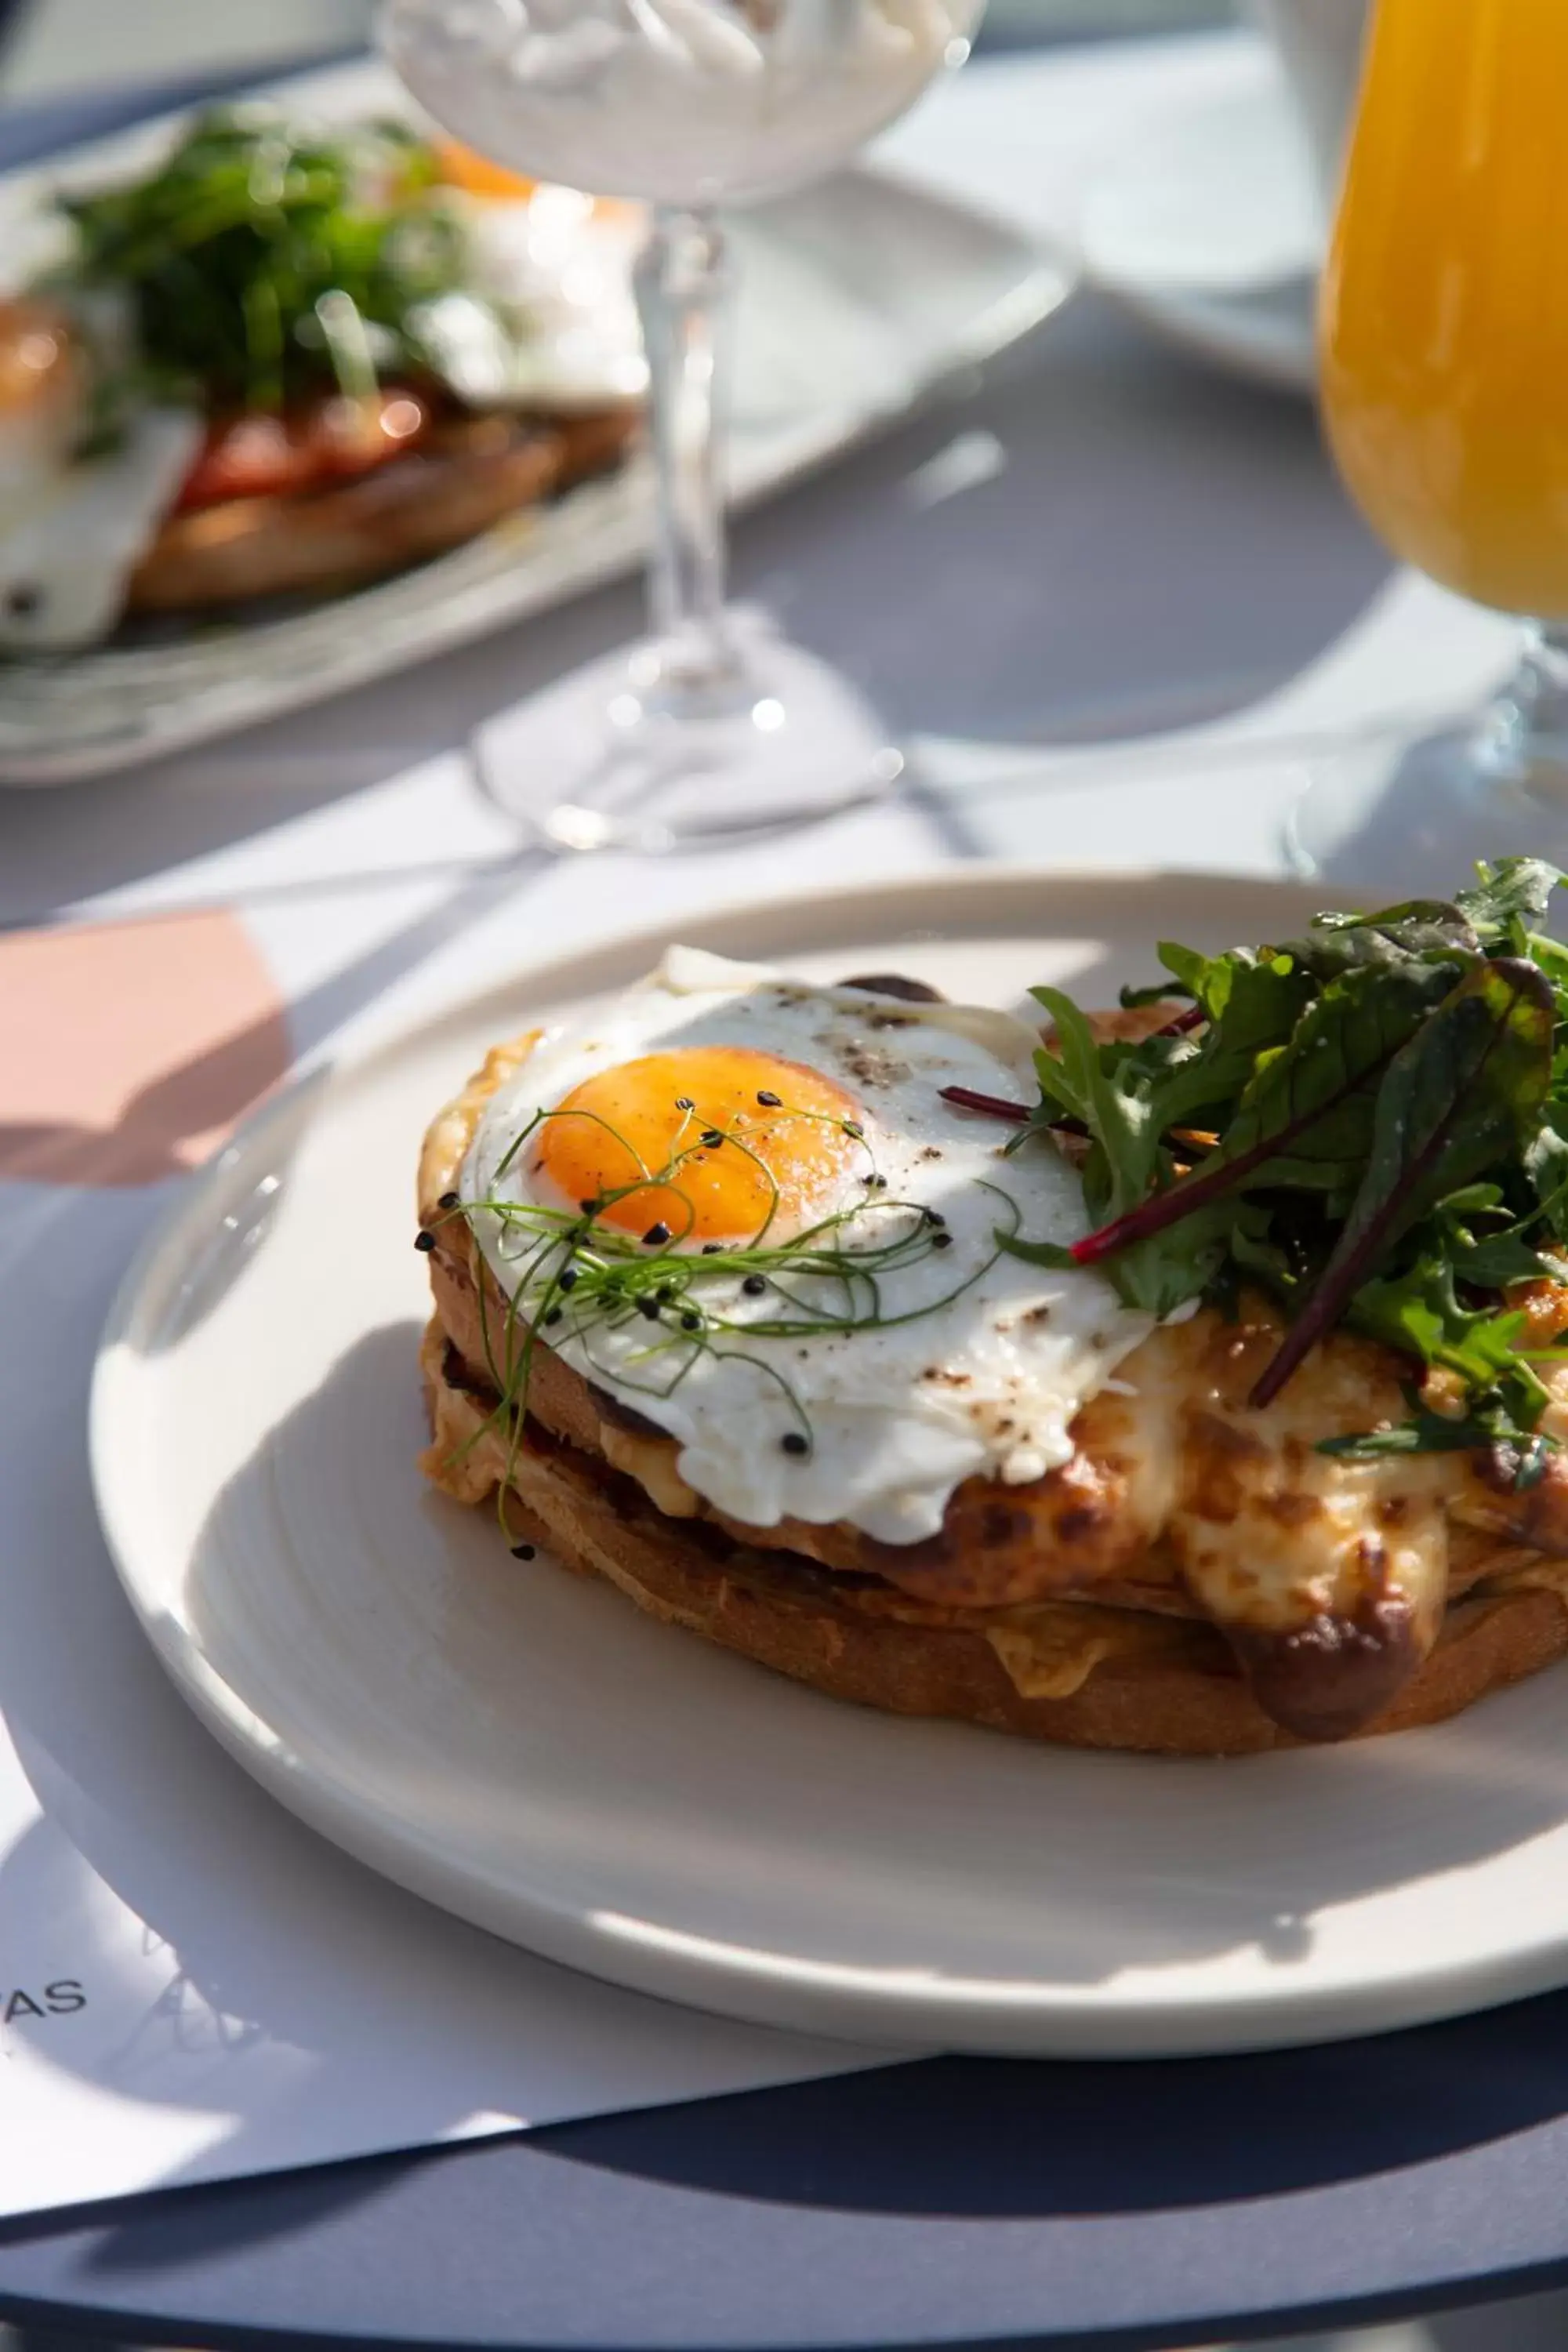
716	725
1445	394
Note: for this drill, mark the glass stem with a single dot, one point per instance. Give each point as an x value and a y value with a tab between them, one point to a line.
683	282
1524	738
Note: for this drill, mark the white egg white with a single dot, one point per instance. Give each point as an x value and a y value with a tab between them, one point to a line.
68	556
551	322
975	1363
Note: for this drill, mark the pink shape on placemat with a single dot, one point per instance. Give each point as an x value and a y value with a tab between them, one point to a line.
129	1050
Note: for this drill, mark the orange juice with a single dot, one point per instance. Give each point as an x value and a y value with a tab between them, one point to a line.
1445	327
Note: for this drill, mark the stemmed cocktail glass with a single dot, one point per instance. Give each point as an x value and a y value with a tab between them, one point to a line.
716	725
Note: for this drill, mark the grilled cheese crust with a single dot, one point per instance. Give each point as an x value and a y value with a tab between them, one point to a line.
1328	1579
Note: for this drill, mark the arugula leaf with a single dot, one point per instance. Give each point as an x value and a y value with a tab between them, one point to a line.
1499	1425
1268	1247
1553	958
1123	1096
1545	1160
1157	1276
1489	1261
1523	1454
1119	1118
1205	978
1468	1086
1424	1433
1516	891
1419	1313
1420	931
1262	1002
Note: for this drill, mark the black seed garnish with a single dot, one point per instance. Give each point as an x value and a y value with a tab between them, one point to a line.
713	1249
449	1201
23	602
523	1551
684	1102
794	1443
934	1217
712	1137
665	1293
553	1314
753	1286
648	1308
769	1100
875	1183
588	1207
942	1241
691	1322
656	1237
423	1241
568	1280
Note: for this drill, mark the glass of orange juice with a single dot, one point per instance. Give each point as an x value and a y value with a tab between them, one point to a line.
1445	370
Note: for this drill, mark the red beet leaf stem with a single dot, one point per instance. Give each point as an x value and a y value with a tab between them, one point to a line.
1193	1018
1168	1208
992	1105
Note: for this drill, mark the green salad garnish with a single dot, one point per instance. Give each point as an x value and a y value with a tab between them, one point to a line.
265	262
1370	1123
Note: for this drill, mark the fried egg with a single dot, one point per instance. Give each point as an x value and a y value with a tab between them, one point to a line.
807	1291
550	321
72	529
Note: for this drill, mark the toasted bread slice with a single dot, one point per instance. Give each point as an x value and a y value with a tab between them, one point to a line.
1082	1676
468	476
1325	1583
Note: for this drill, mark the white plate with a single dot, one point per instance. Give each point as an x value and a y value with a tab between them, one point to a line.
1207	224
857	299
527	1749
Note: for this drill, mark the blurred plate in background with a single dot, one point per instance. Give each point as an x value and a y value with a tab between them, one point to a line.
858	297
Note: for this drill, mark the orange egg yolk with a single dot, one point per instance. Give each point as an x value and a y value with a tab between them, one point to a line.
457	166
461	167
788	1143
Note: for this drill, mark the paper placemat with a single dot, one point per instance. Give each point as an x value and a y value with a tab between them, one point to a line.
193	1985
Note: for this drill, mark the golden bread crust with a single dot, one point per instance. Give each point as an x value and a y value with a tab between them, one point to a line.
1160	1685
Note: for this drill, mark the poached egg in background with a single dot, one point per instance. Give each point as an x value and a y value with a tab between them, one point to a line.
832	1134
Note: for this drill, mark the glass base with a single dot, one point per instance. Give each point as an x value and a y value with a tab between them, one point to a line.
1390	817
639	753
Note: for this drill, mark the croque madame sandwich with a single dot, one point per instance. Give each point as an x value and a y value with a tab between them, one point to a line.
1185	1381
291	359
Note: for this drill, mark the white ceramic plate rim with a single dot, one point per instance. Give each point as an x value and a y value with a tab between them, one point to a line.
903	2008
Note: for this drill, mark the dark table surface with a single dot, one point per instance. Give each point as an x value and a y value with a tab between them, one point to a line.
948	2202
954	2201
